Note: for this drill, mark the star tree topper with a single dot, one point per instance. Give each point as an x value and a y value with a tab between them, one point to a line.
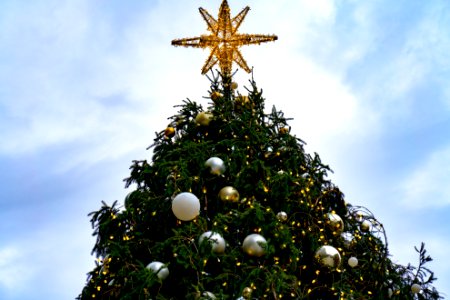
223	40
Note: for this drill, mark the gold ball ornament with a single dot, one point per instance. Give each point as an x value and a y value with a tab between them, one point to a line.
365	226
234	85
247	292
169	132
254	245
335	222
216	95
241	99
416	288
203	118
284	130
229	194
328	256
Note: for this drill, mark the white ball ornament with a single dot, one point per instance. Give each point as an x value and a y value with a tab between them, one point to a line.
186	206
216	240
416	288
216	165
352	261
159	269
254	245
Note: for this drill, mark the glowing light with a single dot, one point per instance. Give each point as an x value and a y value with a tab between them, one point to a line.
223	40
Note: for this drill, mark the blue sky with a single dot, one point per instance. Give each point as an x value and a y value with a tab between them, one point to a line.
85	84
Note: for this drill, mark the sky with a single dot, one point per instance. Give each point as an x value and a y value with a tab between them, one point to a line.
86	84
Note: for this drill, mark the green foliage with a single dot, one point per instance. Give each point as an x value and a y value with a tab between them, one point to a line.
272	172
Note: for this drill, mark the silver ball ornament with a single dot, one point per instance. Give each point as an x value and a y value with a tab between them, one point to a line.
254	245
208	295
348	239
216	241
328	256
416	288
186	206
390	292
159	269
335	222
229	194
352	262
282	216
216	165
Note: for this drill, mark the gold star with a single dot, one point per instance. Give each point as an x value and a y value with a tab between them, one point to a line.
223	40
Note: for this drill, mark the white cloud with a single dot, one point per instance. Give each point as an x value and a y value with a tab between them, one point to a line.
429	184
13	270
77	90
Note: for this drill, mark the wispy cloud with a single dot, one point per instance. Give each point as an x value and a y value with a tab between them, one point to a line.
13	271
429	184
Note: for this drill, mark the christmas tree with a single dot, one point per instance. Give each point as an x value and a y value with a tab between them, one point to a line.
231	207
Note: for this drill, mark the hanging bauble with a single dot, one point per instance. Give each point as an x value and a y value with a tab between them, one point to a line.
390	292
242	101
254	245
282	216
216	95
336	223
234	85
216	165
359	216
365	226
216	241
208	295
186	206
284	130
169	132
203	118
159	269
416	288
328	256
229	193
348	239
352	261
247	293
